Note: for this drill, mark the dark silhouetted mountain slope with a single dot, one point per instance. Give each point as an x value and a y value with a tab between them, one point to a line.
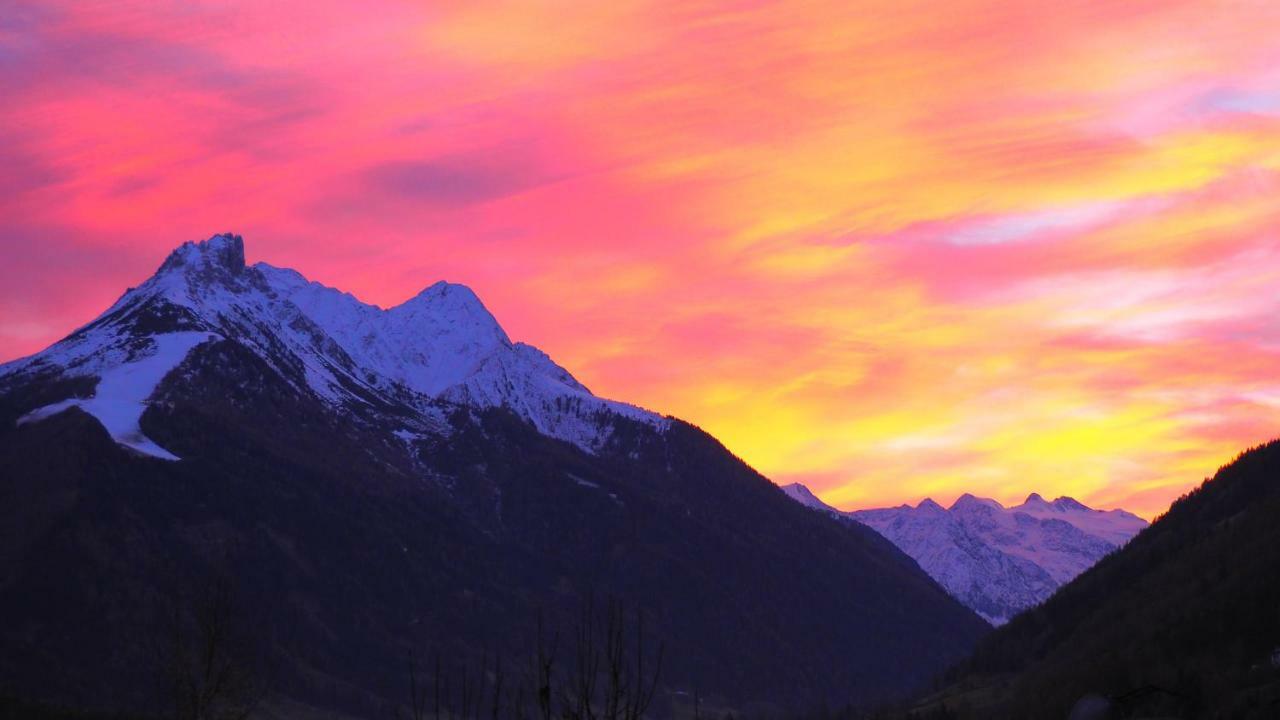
1183	621
376	483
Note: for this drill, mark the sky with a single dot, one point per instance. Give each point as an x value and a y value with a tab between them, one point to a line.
892	250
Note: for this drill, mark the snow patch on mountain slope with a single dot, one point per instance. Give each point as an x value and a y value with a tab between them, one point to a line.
996	560
992	583
1054	544
124	386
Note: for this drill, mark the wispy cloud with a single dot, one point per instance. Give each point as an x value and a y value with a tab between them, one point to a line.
458	180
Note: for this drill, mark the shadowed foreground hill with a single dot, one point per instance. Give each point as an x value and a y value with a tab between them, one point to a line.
1181	622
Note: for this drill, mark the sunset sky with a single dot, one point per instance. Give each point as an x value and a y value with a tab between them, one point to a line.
893	250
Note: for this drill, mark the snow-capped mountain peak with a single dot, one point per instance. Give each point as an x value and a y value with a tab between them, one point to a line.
997	560
927	505
440	347
224	251
459	308
972	503
803	495
1067	504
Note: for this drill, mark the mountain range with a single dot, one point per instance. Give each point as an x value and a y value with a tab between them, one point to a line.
998	561
375	485
441	346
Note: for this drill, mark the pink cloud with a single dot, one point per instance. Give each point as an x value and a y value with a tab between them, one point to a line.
814	228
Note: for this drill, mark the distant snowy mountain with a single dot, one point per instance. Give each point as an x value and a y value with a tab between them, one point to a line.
438	350
996	560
